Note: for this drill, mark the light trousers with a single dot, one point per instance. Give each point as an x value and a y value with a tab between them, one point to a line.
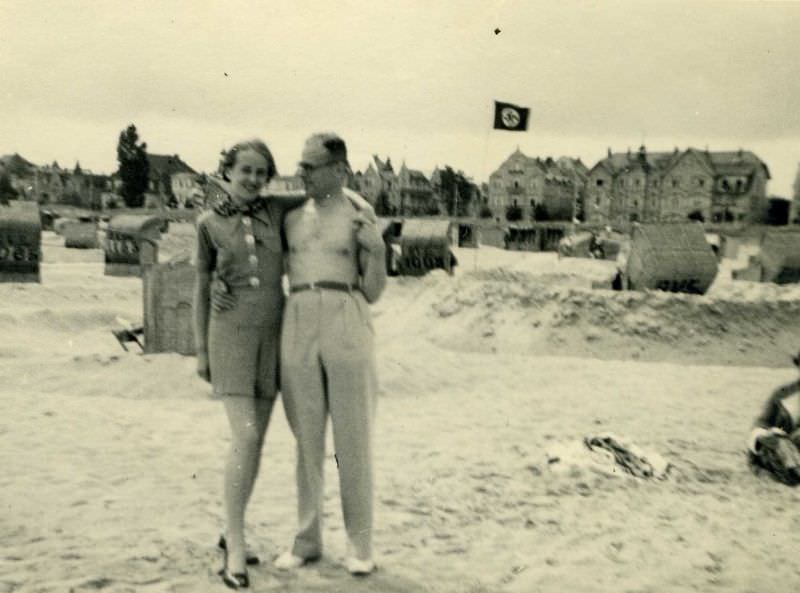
328	368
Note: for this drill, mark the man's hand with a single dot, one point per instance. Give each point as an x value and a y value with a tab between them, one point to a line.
367	233
221	297
203	368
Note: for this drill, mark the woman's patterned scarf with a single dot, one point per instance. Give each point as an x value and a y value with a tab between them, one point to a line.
226	207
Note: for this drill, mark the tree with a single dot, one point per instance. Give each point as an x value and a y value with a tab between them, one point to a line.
133	167
456	192
7	191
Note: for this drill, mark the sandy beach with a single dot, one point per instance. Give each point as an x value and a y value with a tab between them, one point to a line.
112	461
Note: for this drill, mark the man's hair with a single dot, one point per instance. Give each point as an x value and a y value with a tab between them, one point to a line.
228	159
335	147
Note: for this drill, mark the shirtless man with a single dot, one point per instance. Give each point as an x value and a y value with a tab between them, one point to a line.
336	267
774	442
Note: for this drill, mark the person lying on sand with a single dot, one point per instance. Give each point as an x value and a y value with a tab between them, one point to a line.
774	442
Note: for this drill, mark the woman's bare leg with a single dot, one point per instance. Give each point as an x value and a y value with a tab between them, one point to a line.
248	419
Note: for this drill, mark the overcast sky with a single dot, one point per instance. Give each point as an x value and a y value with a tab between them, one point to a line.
414	80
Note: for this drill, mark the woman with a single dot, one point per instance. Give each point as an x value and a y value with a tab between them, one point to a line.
239	249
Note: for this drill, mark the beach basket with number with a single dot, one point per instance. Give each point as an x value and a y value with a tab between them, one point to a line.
20	242
425	246
780	257
168	291
131	241
80	234
674	257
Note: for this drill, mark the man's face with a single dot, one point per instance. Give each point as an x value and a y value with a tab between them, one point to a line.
322	180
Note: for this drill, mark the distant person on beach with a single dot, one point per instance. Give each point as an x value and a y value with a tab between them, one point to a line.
239	253
336	267
774	442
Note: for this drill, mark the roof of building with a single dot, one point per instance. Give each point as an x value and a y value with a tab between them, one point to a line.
381	166
164	164
15	164
418	176
741	162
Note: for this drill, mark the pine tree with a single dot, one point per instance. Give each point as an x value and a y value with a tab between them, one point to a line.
133	167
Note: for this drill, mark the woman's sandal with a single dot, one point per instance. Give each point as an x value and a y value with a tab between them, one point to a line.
234	580
251	559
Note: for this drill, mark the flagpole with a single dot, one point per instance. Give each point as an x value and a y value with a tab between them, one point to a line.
490	117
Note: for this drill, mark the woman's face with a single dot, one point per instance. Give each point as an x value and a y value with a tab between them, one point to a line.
248	174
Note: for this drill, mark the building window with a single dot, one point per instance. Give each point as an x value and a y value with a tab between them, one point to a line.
638	182
599	183
675	182
701	182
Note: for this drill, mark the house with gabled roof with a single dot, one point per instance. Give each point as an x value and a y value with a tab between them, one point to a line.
740	186
527	182
415	192
160	177
378	184
517	182
690	184
20	172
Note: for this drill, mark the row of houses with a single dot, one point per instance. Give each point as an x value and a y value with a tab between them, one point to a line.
636	186
171	181
622	187
409	192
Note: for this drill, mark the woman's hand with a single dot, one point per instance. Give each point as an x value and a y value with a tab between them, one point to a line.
221	297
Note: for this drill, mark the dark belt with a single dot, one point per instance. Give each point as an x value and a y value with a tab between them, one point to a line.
326	284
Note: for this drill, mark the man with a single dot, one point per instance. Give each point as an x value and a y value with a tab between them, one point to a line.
775	438
336	266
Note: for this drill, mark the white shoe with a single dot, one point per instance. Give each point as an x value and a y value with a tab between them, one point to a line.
360	568
288	561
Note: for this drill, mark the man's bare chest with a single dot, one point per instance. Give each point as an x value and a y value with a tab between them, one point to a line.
321	229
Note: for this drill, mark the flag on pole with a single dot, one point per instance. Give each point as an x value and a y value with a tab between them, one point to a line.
510	117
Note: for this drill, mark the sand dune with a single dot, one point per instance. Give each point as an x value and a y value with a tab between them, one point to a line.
112	461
